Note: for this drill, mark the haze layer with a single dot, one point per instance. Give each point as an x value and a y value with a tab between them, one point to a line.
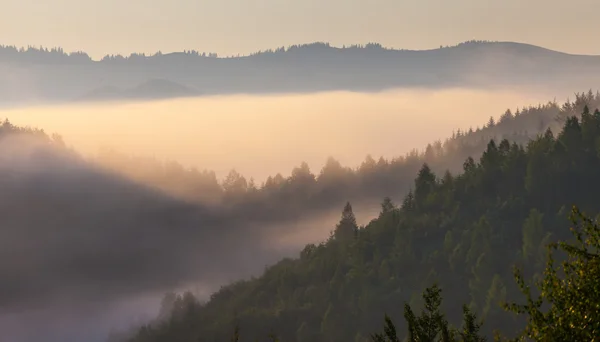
264	135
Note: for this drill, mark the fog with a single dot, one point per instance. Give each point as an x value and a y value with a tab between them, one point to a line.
83	250
66	283
264	135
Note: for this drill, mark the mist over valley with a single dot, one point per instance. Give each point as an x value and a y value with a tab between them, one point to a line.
127	178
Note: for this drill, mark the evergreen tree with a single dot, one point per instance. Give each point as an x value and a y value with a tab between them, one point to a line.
347	228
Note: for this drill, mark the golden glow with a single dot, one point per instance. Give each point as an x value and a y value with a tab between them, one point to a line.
230	27
263	135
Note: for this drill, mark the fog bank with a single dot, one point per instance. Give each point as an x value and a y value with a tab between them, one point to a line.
69	282
263	135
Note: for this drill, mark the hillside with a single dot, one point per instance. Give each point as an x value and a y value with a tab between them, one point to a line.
463	231
53	75
307	192
224	220
77	239
54	200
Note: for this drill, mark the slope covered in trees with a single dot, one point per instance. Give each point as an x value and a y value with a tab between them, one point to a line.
304	193
463	232
566	306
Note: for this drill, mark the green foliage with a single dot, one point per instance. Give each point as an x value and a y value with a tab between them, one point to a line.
305	192
431	325
470	331
463	232
389	332
567	307
347	229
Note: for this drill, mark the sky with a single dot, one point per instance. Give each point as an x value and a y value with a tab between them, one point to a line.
231	27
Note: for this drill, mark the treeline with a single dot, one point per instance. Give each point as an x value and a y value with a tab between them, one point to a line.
464	232
43	55
8	129
304	191
33	54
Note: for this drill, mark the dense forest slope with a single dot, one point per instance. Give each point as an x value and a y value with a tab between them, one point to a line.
53	75
463	231
50	193
201	211
306	193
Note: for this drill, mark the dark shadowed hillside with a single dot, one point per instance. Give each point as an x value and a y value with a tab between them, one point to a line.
73	235
53	75
94	229
463	231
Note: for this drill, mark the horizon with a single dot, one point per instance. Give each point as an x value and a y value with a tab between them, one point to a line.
99	58
243	26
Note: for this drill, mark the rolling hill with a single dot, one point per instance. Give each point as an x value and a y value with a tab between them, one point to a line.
57	76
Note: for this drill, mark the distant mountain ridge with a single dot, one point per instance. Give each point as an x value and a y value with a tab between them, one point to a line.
54	75
57	55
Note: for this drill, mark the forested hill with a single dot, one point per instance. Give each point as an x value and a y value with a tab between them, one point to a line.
306	192
54	75
463	231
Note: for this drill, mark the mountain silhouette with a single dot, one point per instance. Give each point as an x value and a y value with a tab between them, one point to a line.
54	75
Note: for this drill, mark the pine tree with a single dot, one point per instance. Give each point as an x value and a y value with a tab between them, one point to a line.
387	206
347	228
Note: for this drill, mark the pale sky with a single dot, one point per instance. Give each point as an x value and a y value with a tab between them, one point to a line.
243	26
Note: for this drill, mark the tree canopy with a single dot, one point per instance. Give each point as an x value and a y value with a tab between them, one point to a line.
463	232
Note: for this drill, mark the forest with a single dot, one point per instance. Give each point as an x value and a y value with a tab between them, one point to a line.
443	232
305	192
462	231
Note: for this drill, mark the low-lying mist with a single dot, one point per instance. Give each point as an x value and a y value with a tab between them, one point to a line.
83	249
260	136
